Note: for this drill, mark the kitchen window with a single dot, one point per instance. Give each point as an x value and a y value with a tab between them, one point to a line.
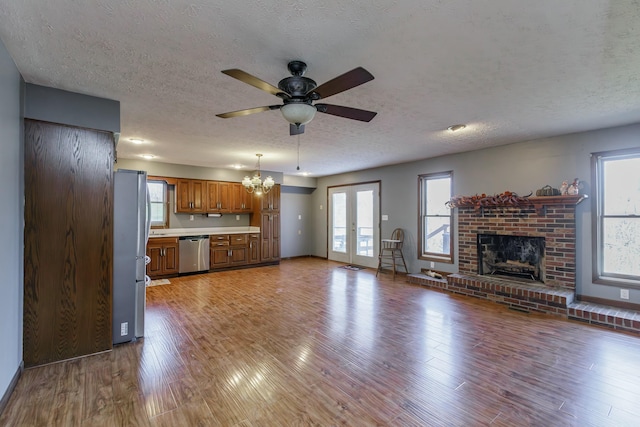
434	234
616	219
159	205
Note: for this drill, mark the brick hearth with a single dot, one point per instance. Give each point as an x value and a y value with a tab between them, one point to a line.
550	217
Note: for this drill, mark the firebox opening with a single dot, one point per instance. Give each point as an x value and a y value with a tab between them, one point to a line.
513	256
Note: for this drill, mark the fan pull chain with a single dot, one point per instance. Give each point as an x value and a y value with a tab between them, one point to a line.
298	168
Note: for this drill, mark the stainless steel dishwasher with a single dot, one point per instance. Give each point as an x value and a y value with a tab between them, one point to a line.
194	254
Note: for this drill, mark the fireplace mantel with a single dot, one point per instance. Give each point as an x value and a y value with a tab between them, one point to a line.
540	203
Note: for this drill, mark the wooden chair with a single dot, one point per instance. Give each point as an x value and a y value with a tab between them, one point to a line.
391	252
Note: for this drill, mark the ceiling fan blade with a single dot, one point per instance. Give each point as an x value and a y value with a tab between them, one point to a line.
248	111
348	80
346	112
296	130
255	82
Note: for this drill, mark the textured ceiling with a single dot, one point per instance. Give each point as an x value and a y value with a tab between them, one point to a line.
511	70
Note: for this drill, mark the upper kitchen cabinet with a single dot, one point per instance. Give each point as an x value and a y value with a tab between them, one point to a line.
219	197
242	202
271	200
190	196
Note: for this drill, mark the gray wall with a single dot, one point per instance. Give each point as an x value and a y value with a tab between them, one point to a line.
69	108
521	167
11	214
295	220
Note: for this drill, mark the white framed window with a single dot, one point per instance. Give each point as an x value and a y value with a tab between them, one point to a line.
159	206
436	219
616	218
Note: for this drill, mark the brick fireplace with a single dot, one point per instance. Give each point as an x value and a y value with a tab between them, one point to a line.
552	219
545	222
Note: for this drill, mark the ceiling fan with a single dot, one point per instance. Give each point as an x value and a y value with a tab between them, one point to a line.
298	94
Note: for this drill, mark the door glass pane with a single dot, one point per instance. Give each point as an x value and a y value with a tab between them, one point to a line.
621	246
339	232
364	223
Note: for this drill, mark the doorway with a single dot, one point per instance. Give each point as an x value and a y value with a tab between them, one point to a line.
354	224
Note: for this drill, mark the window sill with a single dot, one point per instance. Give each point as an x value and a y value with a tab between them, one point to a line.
444	260
619	283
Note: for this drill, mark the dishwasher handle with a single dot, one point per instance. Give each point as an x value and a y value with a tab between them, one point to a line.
193	238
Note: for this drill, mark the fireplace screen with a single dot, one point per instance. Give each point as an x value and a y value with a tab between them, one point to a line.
514	256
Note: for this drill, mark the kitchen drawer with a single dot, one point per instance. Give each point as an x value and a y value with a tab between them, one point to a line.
219	238
238	239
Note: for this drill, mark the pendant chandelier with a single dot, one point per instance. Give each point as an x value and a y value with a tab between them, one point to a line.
255	184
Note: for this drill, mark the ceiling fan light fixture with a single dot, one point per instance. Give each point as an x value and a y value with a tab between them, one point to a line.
298	113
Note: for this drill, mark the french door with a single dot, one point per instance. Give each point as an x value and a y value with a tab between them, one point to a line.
354	224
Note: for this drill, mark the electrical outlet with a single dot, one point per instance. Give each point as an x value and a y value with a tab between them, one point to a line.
299	231
124	328
190	217
299	217
433	264
237	217
624	293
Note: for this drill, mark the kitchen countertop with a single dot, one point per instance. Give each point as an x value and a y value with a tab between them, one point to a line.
179	232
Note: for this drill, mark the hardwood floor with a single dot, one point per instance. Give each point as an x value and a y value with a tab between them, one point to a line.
309	343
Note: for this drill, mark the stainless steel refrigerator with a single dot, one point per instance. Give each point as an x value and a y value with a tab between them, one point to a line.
131	232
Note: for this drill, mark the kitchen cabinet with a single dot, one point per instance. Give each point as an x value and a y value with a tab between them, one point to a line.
271	200
270	236
219	197
242	202
228	250
266	215
190	196
253	248
163	252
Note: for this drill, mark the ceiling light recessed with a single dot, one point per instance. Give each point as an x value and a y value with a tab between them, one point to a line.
136	140
455	128
147	156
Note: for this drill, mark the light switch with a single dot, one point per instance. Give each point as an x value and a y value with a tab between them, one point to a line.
385	217
299	216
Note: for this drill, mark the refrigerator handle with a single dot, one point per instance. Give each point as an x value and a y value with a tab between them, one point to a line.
148	224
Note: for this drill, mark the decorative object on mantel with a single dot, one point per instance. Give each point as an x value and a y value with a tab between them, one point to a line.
574	187
508	198
255	184
547	190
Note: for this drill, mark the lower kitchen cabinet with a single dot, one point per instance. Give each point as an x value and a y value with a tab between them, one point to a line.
163	252
270	233
254	248
219	251
230	250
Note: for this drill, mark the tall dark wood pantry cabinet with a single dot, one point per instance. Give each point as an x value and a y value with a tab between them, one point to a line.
68	242
266	215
